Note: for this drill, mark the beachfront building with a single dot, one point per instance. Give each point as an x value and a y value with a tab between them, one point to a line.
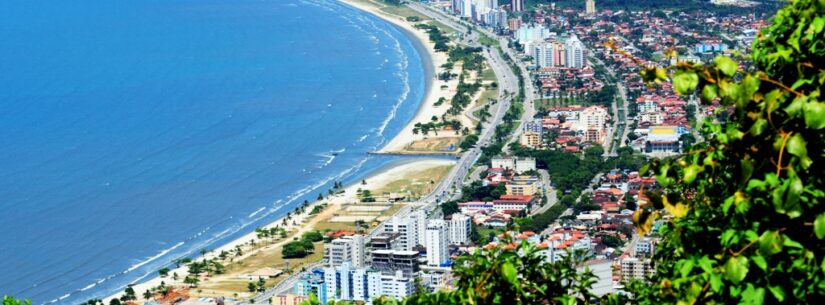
312	283
390	261
409	227
360	284
347	249
460	227
436	242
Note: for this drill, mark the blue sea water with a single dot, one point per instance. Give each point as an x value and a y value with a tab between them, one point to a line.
138	131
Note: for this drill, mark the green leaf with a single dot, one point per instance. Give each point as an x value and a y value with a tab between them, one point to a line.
708	93
819	226
685	82
736	268
753	296
686	268
690	173
796	145
760	262
770	243
726	65
510	274
716	282
814	114
778	292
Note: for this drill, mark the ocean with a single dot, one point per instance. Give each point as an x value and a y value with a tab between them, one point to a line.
135	132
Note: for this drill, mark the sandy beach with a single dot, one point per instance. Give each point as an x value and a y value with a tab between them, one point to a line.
299	223
434	89
304	222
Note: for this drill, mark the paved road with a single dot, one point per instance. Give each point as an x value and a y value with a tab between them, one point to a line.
616	123
450	187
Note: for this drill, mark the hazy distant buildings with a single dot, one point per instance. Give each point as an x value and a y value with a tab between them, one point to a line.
576	57
517	5
590	7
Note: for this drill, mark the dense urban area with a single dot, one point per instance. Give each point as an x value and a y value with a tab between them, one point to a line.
556	165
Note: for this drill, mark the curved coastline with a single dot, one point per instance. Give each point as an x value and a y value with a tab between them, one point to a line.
431	61
424	49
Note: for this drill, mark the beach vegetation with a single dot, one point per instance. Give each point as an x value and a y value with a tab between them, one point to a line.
317	209
163	272
313	236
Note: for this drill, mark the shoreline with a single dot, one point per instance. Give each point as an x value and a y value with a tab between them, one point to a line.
431	61
348	194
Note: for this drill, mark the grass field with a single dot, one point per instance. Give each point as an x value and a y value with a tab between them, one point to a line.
417	183
435	145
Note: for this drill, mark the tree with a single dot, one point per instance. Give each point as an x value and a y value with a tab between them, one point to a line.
629	202
191	280
128	294
114	302
747	204
612	241
163	272
313	236
449	208
251	287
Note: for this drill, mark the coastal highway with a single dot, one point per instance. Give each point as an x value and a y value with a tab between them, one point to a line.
450	186
530	92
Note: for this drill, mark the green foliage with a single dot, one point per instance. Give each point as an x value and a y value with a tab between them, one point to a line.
747	203
298	248
541	221
7	300
313	236
449	208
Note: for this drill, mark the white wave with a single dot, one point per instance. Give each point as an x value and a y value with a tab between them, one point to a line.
256	212
162	253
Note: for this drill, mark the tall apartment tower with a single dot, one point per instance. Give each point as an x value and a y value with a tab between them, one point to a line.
590	7
576	57
460	228
517	5
436	243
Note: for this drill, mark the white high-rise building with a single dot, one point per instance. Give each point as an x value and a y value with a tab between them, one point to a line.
455	6
467	8
360	284
590	7
575	53
517	5
436	243
410	227
543	55
460	228
348	249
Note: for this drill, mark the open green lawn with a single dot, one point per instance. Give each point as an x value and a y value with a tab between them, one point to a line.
488	75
